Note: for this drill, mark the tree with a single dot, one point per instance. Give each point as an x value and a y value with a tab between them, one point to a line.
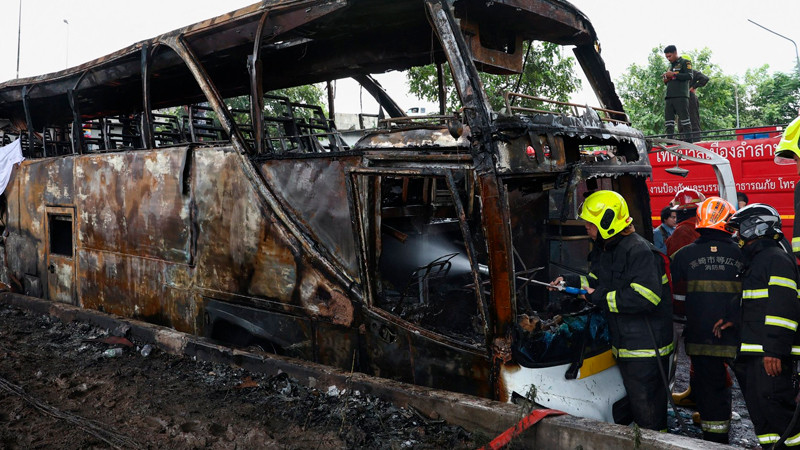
546	73
717	98
642	90
310	94
770	99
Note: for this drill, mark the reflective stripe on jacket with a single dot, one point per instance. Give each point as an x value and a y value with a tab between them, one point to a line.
630	285
707	273
770	305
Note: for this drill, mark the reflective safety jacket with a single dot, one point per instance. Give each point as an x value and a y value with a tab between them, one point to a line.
706	275
770	305
796	230
632	289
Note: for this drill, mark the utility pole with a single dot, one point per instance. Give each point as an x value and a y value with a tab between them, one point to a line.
19	34
66	53
796	54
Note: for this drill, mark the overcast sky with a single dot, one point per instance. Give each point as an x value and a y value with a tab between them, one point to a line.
627	29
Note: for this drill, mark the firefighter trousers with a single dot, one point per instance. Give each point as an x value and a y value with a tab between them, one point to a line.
712	392
646	391
770	400
677	106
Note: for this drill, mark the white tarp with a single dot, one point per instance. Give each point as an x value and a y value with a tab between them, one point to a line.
9	155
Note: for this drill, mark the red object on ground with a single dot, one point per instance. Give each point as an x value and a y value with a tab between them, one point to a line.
531	419
113	340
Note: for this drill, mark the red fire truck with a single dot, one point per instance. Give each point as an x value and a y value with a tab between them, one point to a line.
750	152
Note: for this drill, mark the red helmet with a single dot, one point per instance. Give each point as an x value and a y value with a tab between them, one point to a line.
687	198
714	213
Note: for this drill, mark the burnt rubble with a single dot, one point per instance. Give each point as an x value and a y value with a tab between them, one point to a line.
164	400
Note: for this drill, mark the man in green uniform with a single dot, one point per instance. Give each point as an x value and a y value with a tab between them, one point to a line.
677	78
699	79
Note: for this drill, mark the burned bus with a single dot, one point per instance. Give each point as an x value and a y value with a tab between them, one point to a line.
409	253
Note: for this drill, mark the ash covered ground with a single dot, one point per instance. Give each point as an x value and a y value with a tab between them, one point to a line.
60	389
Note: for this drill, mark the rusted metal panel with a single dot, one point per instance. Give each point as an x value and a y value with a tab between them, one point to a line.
242	247
61	279
413	355
26	243
506	61
444	367
143	288
132	203
313	190
338	346
543	20
60	250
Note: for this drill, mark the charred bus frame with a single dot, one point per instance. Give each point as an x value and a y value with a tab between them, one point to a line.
405	255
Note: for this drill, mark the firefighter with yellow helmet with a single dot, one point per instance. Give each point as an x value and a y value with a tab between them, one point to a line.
627	280
788	153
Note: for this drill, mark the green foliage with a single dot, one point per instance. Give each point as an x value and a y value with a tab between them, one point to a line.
423	83
546	73
770	99
309	95
240	106
717	98
642	93
764	98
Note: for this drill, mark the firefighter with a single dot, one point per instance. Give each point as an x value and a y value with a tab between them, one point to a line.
676	102
685	205
770	315
706	272
788	153
627	281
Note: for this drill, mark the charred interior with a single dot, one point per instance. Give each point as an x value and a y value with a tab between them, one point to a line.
172	182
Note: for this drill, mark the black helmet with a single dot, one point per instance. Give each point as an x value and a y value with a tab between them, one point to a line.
755	221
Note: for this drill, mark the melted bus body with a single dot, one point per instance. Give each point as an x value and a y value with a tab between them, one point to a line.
169	182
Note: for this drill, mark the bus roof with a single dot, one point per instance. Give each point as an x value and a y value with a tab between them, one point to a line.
304	41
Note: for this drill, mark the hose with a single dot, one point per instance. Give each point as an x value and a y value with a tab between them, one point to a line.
663	374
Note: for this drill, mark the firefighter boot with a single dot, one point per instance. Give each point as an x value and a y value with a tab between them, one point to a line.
685	398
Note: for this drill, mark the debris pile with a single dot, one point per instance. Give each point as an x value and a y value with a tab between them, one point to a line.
60	383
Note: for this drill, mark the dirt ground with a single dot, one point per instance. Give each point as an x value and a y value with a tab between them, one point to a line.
59	388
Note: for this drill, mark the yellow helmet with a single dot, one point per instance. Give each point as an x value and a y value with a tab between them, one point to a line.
608	211
787	148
